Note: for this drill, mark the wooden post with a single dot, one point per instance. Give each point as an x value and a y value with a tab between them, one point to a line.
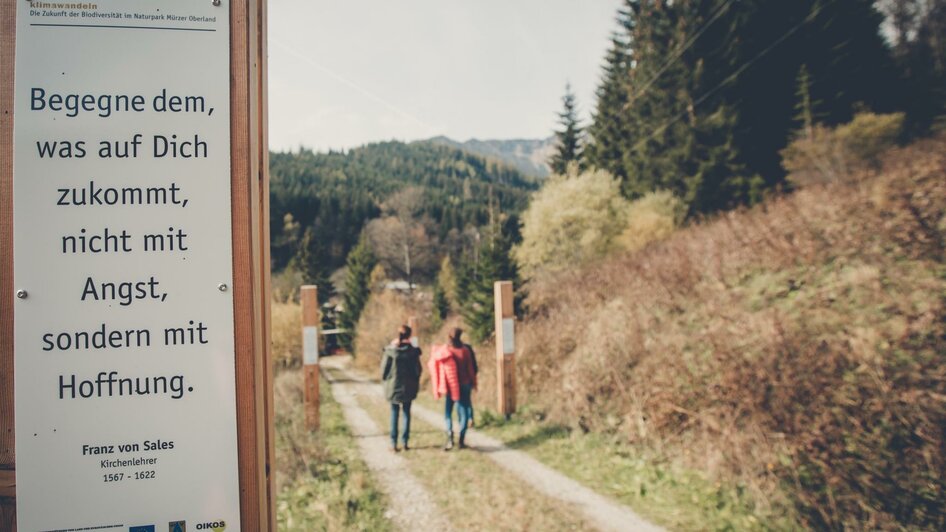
505	347
412	323
249	191
310	353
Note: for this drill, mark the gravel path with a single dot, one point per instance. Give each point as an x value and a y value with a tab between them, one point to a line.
411	507
605	513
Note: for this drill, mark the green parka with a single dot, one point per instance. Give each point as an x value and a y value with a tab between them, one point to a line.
400	372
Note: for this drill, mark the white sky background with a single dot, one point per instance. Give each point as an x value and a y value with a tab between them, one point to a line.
343	73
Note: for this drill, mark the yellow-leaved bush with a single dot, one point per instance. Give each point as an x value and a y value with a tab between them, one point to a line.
651	218
583	216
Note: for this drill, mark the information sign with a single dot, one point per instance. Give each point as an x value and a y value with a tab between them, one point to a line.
124	350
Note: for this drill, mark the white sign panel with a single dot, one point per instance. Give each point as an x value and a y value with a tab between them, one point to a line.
124	355
310	345
509	336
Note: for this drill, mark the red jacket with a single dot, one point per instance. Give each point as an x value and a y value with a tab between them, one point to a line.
449	368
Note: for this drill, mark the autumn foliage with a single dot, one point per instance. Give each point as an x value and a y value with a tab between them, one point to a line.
796	348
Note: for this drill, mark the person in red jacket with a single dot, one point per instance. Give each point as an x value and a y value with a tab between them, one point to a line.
453	375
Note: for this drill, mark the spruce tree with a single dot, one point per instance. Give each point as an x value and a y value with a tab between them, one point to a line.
569	145
607	134
447	279
361	262
311	260
708	97
441	305
475	280
805	113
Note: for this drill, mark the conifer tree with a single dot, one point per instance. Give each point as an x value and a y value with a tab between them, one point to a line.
361	262
311	260
475	279
441	305
447	279
607	133
805	115
709	97
569	148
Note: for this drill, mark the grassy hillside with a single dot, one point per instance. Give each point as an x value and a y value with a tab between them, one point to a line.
797	349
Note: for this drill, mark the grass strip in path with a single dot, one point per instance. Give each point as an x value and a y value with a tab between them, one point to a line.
322	483
532	497
410	506
673	497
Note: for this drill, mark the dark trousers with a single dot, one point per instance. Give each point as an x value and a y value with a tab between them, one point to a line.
395	412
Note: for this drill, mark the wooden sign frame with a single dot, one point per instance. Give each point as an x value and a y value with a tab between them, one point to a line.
249	184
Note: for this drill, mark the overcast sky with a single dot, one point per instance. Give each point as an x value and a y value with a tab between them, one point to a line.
343	73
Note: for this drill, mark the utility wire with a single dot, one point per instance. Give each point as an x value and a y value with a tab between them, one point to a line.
679	53
734	75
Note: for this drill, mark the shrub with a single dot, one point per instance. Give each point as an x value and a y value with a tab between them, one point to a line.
570	220
285	284
651	218
287	334
847	152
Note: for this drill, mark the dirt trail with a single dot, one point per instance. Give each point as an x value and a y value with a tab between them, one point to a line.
410	505
598	509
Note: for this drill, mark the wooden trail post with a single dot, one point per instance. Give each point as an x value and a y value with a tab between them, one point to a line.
505	347
310	354
412	323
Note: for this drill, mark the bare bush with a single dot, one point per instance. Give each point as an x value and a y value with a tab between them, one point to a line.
385	312
847	152
286	334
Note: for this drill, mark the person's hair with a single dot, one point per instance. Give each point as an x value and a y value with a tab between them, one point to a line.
404	332
455	336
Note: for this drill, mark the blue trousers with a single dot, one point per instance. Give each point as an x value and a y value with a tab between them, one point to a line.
464	410
395	411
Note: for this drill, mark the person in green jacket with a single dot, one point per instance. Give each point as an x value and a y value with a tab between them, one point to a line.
400	373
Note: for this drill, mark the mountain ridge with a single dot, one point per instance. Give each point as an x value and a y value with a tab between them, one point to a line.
529	156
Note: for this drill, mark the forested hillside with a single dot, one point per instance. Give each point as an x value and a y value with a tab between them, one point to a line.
335	194
529	156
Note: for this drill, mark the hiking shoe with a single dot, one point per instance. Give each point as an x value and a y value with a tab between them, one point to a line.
406	447
394	449
449	445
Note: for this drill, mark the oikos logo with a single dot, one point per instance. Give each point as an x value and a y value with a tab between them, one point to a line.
216	526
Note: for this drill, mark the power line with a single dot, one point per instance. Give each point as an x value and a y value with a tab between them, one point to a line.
734	75
686	46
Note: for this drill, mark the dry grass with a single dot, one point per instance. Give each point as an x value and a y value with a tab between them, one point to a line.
796	348
321	481
287	334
